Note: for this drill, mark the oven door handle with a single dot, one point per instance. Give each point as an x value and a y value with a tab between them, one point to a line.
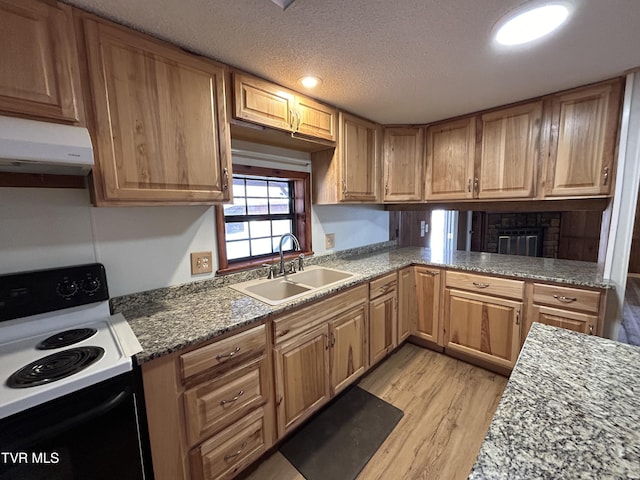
69	423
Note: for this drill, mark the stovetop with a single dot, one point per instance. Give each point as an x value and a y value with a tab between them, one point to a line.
72	328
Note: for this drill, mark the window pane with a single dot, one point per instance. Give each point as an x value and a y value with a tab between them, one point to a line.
279	205
238	187
237	208
279	189
281	226
236	231
257	206
261	246
260	229
287	245
257	188
238	249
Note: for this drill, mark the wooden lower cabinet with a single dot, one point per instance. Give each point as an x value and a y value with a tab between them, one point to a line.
407	302
576	321
382	327
302	377
427	296
348	348
482	327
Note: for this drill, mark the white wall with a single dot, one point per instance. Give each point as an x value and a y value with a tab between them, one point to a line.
146	247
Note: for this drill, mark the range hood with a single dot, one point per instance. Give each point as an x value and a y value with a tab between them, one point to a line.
28	146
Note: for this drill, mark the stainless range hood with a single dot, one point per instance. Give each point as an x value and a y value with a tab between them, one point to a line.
28	146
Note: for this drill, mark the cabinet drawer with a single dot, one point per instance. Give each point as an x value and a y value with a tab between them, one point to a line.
573	298
225	454
382	286
215	405
292	324
501	287
219	356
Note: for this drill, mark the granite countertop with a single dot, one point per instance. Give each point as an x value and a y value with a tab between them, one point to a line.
571	410
166	320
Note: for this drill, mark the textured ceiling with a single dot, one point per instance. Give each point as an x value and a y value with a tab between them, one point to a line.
398	61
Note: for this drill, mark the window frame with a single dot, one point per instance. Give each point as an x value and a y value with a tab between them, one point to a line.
301	218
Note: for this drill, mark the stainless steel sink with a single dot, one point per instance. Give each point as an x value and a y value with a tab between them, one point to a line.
278	290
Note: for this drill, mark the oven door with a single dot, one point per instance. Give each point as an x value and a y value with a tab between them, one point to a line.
92	433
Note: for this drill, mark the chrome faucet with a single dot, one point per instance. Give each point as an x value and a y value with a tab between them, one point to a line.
296	246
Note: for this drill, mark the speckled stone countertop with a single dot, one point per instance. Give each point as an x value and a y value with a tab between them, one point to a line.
169	319
571	410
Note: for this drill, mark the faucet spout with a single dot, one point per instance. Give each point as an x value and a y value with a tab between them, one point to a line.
296	246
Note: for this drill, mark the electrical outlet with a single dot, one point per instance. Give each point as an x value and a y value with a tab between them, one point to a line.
330	240
201	263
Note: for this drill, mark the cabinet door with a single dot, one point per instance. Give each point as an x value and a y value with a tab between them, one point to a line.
484	327
584	131
348	347
509	151
407	303
261	102
359	158
315	119
403	164
382	327
302	377
39	69
161	122
450	159
427	325
556	317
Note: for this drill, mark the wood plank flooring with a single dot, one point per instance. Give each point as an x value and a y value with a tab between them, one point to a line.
447	405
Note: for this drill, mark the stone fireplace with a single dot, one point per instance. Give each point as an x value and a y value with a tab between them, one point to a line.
531	233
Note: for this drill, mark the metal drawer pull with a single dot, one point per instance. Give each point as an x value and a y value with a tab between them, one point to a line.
564	299
590	329
481	285
224	402
234	455
228	355
433	274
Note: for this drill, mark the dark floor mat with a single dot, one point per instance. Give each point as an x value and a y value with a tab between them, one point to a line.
341	439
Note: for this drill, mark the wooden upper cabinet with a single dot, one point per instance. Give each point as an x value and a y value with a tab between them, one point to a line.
160	122
268	104
349	172
450	160
403	164
39	68
508	151
584	128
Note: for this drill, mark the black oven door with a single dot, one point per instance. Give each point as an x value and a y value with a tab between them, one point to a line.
89	434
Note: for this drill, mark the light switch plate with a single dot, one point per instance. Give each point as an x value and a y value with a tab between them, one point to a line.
201	263
330	240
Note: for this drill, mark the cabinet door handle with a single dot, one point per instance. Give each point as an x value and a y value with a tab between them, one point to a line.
469	186
333	340
590	329
299	121
517	317
225	184
228	355
291	120
433	274
606	175
564	299
476	185
224	402
234	455
481	285
344	187
386	189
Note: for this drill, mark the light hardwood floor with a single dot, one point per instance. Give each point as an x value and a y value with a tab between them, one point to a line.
447	405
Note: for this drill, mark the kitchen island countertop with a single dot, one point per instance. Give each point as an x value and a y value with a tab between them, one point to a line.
169	319
571	410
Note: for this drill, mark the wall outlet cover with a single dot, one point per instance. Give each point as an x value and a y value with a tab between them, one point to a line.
201	263
330	240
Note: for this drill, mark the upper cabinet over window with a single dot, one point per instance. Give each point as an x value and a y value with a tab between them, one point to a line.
268	104
39	67
508	152
159	120
584	135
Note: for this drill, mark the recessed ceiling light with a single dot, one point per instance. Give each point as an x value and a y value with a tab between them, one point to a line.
531	23
310	81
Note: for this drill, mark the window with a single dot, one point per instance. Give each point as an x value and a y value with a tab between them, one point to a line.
266	204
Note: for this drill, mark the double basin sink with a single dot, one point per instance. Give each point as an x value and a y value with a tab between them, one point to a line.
279	290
